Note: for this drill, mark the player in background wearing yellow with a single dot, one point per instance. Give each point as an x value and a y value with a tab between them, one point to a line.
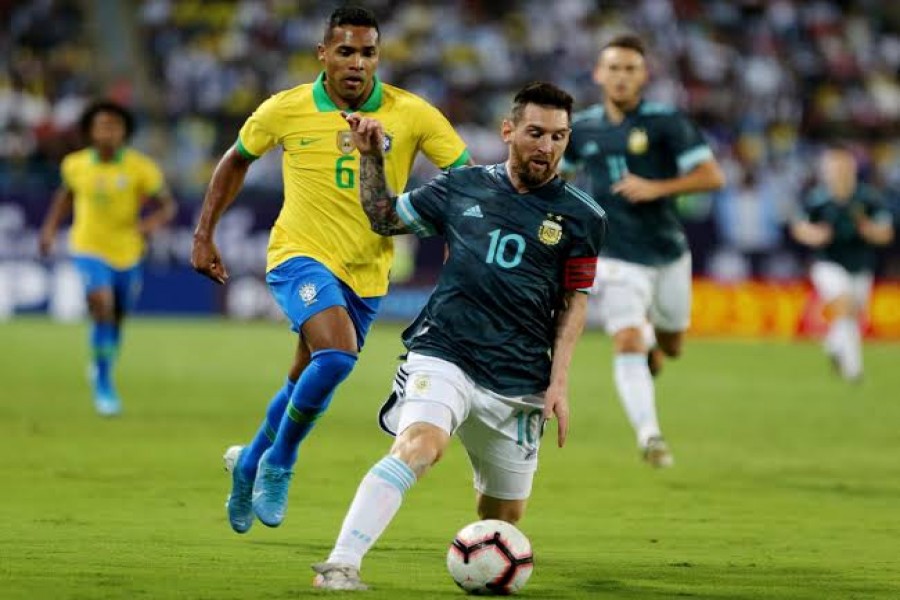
108	187
326	268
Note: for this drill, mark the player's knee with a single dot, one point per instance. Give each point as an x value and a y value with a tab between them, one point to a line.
333	366
842	306
420	446
671	343
629	340
671	349
102	307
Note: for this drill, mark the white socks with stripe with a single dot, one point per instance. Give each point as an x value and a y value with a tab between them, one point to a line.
845	343
635	386
377	500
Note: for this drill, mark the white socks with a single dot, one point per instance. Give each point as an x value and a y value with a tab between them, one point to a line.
377	500
844	342
635	386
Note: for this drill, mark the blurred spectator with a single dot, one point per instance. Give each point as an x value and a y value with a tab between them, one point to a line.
784	73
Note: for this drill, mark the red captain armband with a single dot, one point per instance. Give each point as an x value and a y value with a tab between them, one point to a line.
580	273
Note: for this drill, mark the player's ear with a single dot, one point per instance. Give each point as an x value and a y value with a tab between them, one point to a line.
320	52
506	130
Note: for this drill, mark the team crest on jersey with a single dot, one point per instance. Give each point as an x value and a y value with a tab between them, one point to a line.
122	182
387	143
345	142
550	231
638	142
308	293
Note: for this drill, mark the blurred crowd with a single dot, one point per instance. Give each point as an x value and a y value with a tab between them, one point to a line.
769	82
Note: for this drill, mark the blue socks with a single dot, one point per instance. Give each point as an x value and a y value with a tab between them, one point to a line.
310	398
104	346
264	437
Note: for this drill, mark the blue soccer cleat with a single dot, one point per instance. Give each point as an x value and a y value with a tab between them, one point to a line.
107	404
270	491
106	400
240	501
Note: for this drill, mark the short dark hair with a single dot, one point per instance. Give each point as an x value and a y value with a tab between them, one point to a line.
542	94
626	40
350	15
106	106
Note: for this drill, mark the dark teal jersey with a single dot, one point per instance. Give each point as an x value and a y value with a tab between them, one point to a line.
512	257
653	141
847	247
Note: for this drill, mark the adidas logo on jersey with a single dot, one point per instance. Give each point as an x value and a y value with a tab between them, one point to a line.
473	211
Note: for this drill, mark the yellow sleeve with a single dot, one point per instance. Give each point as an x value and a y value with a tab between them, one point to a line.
67	171
257	135
152	179
439	141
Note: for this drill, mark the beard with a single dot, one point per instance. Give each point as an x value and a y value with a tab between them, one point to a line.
529	176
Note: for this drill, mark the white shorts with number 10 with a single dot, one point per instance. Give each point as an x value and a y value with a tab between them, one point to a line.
501	434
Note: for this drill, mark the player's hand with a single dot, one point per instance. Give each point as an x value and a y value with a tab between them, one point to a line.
637	189
556	402
368	133
206	260
820	234
46	242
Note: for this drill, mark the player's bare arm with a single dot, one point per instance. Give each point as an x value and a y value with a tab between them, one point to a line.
226	182
377	201
705	177
164	210
877	233
60	209
570	324
814	235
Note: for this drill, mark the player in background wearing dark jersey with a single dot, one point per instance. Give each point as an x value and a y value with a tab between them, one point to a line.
523	251
842	221
639	156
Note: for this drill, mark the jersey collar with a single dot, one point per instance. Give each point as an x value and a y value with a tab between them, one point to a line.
548	191
116	159
324	103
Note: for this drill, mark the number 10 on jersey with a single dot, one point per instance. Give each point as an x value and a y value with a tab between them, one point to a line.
499	251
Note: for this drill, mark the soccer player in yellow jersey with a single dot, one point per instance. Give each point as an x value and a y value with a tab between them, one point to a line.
107	187
326	268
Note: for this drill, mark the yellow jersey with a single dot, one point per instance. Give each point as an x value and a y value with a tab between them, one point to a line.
321	217
107	203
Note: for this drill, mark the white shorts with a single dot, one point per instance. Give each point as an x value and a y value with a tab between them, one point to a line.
628	294
832	281
501	434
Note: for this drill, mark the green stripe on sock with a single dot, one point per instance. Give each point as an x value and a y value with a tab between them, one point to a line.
298	416
270	433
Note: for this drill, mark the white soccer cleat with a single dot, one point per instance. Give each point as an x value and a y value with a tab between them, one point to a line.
657	454
336	576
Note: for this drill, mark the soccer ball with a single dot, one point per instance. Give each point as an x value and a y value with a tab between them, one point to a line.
490	558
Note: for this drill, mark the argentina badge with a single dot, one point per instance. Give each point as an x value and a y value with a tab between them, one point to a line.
638	142
550	232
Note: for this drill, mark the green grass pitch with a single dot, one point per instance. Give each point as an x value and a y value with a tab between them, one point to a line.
786	483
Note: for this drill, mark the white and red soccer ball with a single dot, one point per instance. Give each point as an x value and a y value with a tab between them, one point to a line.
490	558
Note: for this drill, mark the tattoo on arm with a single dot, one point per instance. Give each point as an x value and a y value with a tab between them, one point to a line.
377	201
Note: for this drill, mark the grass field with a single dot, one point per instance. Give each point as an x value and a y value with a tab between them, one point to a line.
787	482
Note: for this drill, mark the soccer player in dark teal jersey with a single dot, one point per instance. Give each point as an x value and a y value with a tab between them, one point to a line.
843	221
639	156
489	354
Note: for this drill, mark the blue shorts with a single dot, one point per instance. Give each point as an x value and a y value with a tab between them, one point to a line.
304	287
97	274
